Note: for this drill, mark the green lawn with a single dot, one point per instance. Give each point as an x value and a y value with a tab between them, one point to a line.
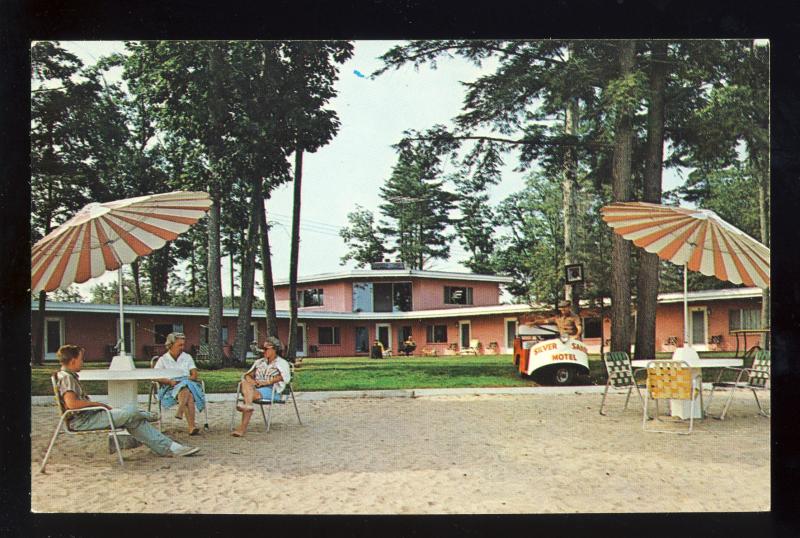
359	373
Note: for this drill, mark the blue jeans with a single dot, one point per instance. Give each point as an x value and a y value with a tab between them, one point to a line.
130	418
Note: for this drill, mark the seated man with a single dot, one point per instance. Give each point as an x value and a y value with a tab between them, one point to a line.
409	346
185	390
129	417
266	378
377	350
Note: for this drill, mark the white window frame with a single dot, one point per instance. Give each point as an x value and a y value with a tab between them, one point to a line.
509	346
52	355
388	326
468	323
704	310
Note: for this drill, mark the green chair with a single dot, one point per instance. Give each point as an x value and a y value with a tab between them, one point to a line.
757	380
620	376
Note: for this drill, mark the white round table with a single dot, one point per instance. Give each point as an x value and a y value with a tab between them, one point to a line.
681	408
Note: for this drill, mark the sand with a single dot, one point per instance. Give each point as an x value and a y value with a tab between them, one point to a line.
428	455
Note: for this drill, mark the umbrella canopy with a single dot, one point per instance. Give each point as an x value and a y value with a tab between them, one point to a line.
698	238
102	237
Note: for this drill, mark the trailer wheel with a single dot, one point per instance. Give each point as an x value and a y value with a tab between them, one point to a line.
564	375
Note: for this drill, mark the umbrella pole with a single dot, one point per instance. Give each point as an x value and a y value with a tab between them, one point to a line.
121	315
685	309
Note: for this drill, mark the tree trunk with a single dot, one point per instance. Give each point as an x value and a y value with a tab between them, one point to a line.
137	289
568	188
266	274
240	344
647	279
763	206
232	273
621	191
298	177
216	113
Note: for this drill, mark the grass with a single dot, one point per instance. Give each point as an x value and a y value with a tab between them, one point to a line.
359	373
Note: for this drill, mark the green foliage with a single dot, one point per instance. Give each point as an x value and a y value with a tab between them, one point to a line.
362	238
70	295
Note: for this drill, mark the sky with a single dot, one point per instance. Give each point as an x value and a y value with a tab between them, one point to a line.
351	169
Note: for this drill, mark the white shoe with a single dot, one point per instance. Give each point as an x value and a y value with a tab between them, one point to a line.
185	451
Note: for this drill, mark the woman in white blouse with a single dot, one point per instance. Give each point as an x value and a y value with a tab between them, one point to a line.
185	391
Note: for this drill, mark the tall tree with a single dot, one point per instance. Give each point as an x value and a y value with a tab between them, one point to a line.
647	278
622	93
365	243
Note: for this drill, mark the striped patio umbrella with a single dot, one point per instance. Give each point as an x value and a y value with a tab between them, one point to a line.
102	237
698	239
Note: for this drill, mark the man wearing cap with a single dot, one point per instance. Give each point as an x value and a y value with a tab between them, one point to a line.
567	322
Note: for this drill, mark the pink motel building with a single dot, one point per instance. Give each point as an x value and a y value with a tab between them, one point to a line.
341	314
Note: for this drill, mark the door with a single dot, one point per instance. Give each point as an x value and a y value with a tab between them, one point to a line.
698	327
130	341
465	332
511	333
53	337
383	332
300	343
405	332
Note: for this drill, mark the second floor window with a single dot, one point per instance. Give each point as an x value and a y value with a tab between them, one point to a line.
329	335
457	295
312	297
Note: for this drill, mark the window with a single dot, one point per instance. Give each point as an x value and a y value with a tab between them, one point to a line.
204	335
329	335
401	297
592	328
362	296
362	340
53	336
251	332
163	329
740	318
437	334
391	296
457	295
311	297
405	332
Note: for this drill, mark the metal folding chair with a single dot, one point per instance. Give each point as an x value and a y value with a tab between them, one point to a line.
671	380
757	380
154	386
287	392
620	376
63	423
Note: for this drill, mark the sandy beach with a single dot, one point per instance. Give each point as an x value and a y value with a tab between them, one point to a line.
427	455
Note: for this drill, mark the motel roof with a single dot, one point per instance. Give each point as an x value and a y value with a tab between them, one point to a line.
695	296
395	273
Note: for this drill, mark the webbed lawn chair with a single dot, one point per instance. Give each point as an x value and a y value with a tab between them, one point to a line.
672	380
288	392
63	423
474	346
757	380
621	376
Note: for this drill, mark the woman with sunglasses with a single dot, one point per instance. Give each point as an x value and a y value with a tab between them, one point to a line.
264	380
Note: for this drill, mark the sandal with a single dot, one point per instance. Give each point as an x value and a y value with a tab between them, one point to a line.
237	433
195	431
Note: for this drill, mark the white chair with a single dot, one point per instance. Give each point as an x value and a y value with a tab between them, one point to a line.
757	380
63	423
285	395
474	347
154	386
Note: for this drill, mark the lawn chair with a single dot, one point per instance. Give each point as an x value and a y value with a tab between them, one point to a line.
672	380
288	391
474	346
620	376
757	380
430	352
64	423
154	385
